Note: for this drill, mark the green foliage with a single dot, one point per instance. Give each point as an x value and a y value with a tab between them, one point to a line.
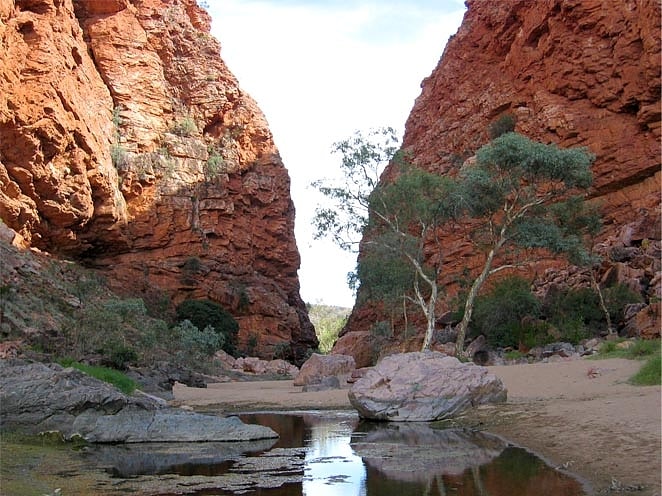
119	156
328	322
617	298
215	165
105	330
196	342
363	160
184	127
518	188
499	314
117	117
204	313
639	349
383	275
111	376
518	163
381	333
251	344
513	355
650	373
577	314
395	218
121	356
504	124
282	351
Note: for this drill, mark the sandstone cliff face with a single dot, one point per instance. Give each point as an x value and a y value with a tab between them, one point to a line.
576	73
126	142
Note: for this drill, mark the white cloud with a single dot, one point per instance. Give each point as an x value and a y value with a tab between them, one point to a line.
319	71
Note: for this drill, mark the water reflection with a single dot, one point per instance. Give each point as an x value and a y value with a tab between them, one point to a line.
331	464
186	459
348	457
334	454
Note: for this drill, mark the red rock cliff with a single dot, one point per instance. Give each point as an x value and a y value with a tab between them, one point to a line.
126	142
572	72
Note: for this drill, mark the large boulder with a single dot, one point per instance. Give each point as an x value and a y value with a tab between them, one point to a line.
423	386
318	367
39	398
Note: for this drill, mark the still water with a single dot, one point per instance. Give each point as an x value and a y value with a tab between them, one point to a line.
336	454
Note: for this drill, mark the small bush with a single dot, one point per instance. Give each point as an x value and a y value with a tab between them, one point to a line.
504	124
513	355
499	314
196	343
203	313
215	165
122	356
184	127
567	308
111	376
119	156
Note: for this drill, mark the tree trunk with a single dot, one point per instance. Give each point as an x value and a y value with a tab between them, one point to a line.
469	305
603	306
430	315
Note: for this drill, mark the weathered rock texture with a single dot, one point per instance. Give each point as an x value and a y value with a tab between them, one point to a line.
320	367
423	387
576	73
39	398
125	141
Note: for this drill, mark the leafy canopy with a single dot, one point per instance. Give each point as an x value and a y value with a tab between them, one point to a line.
524	195
363	159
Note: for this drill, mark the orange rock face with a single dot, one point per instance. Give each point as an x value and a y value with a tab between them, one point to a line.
126	142
573	72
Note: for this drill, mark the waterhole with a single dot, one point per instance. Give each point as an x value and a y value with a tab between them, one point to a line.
336	454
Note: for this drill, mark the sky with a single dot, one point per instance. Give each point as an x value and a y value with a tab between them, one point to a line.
319	71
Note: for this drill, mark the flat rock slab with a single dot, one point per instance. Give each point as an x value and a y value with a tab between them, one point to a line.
423	387
39	398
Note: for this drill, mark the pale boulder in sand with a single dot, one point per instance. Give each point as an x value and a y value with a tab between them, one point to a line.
422	387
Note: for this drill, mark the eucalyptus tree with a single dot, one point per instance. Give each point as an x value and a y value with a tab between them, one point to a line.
521	194
394	220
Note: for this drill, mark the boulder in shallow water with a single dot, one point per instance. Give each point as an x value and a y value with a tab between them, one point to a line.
423	386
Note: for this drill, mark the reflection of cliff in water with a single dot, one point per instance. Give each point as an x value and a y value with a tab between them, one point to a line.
410	458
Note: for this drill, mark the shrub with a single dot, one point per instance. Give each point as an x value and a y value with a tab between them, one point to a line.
617	298
203	313
214	166
499	314
119	156
197	342
121	356
567	308
184	127
504	124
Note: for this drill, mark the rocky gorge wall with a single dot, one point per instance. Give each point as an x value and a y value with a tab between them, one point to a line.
573	72
126	143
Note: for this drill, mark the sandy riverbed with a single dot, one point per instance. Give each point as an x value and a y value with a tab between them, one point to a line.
596	424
